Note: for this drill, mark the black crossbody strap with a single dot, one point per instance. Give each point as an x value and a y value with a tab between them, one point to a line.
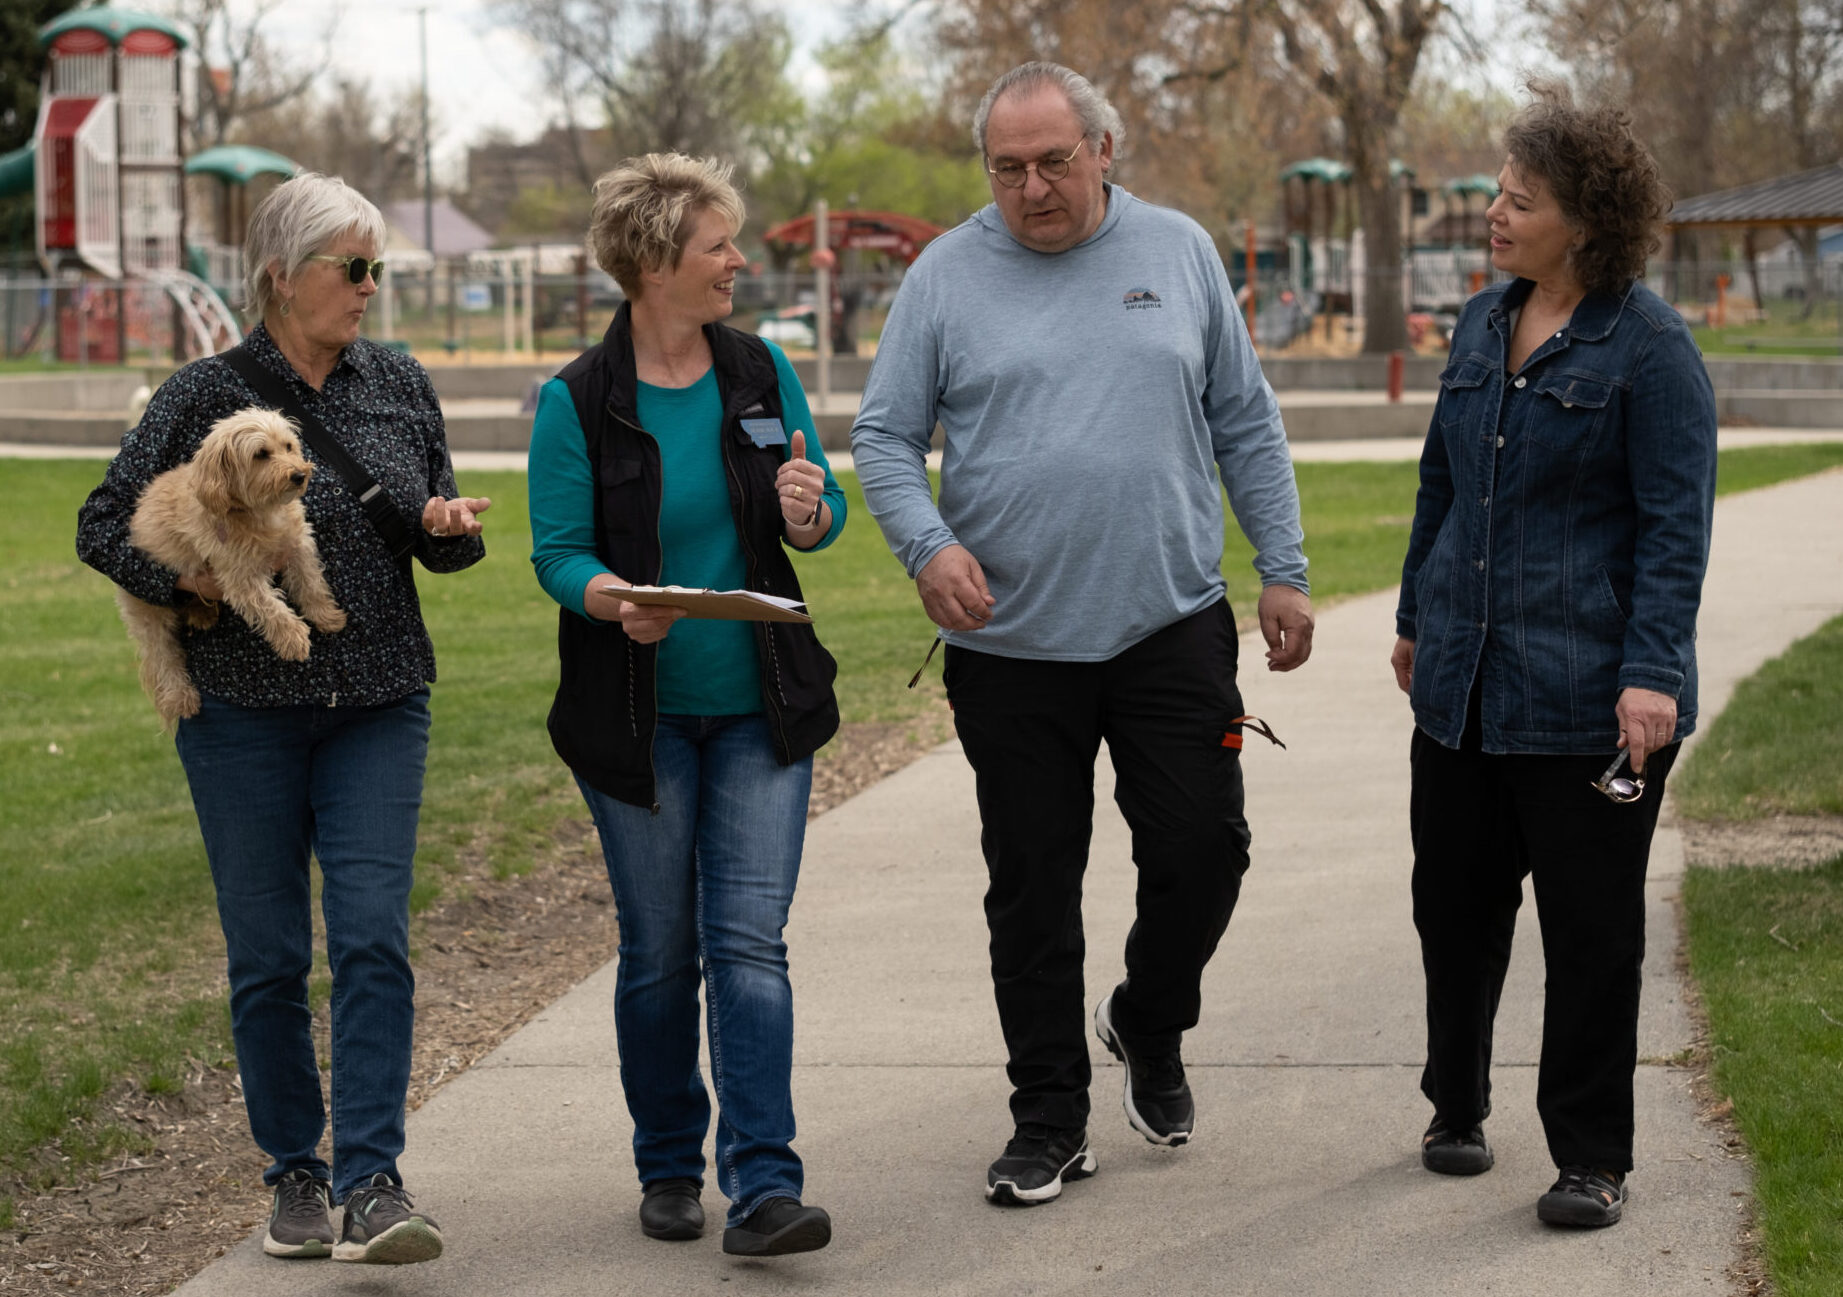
372	498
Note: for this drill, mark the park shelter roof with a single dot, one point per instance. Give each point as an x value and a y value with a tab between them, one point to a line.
1326	169
903	237
1812	197
455	234
1478	183
115	24
238	164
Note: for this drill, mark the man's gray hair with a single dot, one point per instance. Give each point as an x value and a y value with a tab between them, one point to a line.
298	219
1097	116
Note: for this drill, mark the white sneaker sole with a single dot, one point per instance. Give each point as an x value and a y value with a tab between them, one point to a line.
313	1247
404	1243
1103	1029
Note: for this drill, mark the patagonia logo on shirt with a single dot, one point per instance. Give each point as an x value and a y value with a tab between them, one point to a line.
1141	299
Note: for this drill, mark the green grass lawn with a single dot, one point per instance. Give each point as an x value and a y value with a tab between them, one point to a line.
111	966
1766	947
1787	330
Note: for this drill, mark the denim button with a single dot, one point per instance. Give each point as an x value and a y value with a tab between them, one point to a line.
1521	382
1500	443
1484	500
1479	563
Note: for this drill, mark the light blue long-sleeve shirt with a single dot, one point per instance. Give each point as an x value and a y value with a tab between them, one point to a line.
1090	399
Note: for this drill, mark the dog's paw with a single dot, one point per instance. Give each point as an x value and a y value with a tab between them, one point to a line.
174	705
329	622
290	641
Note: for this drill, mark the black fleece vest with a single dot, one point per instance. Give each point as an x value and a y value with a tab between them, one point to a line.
605	713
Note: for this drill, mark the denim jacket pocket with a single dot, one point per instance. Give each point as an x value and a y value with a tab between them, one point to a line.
1614	611
1570	410
1459	391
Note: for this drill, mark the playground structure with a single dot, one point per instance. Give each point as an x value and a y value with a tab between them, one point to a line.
106	171
1321	270
890	234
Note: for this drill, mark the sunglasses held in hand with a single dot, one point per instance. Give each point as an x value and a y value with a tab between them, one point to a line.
1617	787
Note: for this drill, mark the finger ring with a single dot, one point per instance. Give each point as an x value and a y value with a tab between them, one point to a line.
438	532
799	493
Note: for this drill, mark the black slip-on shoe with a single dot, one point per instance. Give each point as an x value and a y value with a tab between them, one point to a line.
670	1210
1036	1162
1584	1198
300	1224
1157	1097
1454	1150
778	1227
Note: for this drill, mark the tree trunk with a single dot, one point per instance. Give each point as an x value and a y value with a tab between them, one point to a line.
1385	326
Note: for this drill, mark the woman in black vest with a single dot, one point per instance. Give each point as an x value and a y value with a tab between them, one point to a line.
681	452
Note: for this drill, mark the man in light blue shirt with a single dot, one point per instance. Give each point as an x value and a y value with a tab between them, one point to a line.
1081	351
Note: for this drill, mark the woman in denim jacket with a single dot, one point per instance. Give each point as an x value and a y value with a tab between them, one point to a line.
1547	625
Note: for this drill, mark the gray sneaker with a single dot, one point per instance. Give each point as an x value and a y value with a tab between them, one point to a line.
383	1227
299	1223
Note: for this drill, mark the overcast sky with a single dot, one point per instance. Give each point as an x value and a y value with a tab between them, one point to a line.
482	75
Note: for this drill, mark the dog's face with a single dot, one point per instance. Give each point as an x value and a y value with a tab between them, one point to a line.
251	460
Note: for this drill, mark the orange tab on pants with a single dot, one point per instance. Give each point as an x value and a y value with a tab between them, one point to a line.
1232	738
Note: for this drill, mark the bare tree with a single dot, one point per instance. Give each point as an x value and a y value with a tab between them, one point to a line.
374	144
697	76
1361	58
244	74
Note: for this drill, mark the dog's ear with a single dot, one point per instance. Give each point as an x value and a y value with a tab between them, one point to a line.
214	469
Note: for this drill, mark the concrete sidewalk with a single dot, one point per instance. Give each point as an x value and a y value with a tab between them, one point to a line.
1304	1177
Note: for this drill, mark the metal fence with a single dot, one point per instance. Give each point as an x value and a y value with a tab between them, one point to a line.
1766	307
1769	307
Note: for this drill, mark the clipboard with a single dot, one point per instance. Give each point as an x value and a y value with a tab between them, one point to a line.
722	605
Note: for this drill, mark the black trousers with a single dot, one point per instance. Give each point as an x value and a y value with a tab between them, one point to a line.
1480	824
1032	729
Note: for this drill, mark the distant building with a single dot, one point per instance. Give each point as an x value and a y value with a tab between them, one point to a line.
455	234
557	159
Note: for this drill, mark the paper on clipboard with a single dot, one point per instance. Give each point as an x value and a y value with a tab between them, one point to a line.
725	605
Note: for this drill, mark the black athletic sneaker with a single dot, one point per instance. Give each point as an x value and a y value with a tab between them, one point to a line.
1036	1162
384	1228
1583	1197
299	1224
1449	1150
1157	1097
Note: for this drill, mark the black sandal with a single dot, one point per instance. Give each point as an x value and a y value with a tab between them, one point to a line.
1584	1197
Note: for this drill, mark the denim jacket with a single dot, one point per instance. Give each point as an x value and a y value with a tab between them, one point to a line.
1561	530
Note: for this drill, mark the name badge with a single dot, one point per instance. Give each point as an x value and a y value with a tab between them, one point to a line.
765	432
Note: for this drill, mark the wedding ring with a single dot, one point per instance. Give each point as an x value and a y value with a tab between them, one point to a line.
799	493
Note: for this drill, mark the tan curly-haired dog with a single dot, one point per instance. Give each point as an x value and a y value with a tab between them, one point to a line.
233	508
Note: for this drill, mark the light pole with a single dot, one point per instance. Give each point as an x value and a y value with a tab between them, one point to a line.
428	175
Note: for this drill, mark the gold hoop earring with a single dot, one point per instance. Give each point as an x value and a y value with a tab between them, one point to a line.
287	307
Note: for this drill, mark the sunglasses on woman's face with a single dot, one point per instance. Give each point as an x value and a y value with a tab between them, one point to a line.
1617	787
358	269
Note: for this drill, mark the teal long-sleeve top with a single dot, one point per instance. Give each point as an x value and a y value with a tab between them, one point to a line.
706	667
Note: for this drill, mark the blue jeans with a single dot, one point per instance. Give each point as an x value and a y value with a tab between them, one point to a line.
702	887
271	786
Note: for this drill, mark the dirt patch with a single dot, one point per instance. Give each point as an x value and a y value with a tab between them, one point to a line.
489	955
1777	840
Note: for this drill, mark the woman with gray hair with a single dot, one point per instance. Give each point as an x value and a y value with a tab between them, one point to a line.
321	757
680	452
